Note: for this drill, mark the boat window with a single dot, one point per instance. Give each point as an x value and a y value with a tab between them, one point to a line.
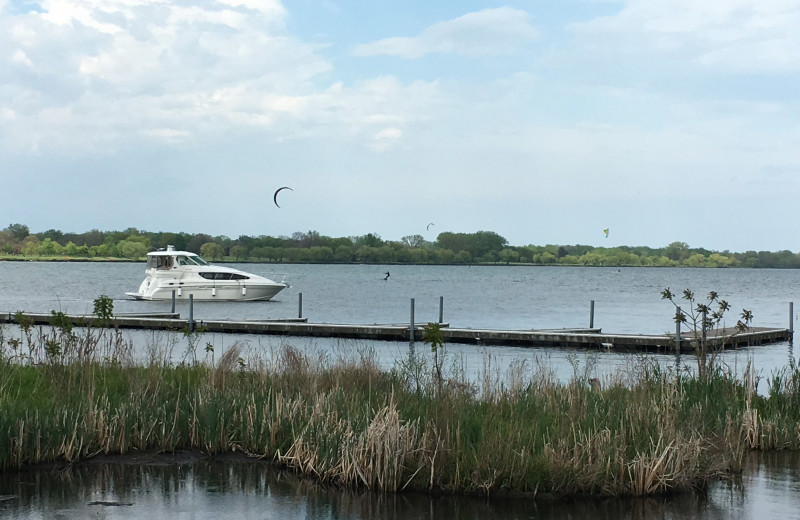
236	276
159	262
182	260
221	276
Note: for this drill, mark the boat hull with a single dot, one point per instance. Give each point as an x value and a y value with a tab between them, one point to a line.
211	293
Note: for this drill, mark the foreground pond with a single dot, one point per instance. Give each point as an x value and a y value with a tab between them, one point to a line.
191	487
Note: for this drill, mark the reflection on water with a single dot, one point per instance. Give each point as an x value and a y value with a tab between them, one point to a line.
243	490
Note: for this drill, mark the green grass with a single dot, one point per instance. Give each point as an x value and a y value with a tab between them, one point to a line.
348	423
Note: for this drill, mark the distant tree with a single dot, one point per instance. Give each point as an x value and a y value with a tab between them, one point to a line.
343	253
369	240
696	260
484	242
197	241
545	258
133	248
677	251
53	234
413	240
30	245
418	255
212	251
8	242
320	254
453	241
49	247
569	260
309	239
462	257
70	249
508	255
238	252
19	231
718	260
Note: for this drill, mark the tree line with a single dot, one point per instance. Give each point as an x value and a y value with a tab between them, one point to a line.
482	247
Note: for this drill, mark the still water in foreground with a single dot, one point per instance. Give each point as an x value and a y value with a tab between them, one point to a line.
200	489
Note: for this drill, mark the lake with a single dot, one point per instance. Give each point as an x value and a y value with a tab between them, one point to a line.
626	300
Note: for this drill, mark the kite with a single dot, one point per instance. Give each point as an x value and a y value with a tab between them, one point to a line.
428	227
605	231
275	197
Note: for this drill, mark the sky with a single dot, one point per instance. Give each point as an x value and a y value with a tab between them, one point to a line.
543	121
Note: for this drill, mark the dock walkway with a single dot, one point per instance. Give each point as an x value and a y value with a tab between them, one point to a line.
573	337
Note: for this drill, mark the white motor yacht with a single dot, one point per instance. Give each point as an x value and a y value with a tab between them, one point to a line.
187	273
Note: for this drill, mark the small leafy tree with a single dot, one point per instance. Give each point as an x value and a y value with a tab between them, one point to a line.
103	309
432	335
702	318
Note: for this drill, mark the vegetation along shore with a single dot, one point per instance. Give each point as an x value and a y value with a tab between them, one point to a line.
69	393
482	247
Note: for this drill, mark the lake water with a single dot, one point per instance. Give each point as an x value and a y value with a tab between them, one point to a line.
254	490
626	300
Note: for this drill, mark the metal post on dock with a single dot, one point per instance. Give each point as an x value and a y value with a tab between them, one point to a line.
173	302
678	332
791	322
300	305
591	314
191	313
441	309
411	324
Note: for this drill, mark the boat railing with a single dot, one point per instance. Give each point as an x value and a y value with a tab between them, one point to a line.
277	277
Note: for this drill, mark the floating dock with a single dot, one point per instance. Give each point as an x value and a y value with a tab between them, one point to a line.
567	338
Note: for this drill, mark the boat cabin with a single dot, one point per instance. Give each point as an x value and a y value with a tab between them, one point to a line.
170	258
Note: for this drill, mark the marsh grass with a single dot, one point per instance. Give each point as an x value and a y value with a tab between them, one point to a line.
340	418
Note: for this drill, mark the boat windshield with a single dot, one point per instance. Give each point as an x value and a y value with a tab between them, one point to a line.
191	260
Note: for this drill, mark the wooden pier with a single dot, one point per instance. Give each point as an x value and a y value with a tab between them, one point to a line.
593	338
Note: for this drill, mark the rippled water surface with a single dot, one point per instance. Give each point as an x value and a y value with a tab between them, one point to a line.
626	300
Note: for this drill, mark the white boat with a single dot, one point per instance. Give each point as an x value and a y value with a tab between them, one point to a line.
186	273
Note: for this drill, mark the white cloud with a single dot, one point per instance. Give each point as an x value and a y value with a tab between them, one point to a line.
168	135
487	32
21	58
131	67
736	35
386	138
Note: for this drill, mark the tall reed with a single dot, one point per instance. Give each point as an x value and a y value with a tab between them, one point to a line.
643	431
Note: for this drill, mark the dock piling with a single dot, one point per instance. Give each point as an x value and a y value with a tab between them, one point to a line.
791	322
591	314
411	324
678	332
300	305
191	313
173	302
441	309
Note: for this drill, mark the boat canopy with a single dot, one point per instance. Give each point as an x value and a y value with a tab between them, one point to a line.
168	259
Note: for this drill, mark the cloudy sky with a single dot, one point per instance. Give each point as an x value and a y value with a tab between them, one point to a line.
545	122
